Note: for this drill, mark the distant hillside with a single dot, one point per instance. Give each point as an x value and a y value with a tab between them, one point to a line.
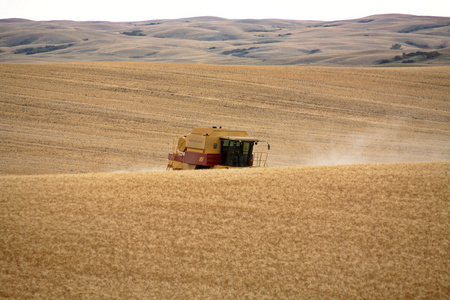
374	40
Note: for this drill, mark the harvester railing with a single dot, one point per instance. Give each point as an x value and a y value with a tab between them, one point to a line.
260	159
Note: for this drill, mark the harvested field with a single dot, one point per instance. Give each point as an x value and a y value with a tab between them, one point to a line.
102	117
357	231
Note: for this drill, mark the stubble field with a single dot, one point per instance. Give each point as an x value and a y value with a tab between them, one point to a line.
102	117
378	228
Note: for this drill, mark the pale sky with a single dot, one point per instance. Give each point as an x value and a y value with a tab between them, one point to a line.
143	10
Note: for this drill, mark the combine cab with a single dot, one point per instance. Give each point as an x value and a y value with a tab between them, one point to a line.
208	148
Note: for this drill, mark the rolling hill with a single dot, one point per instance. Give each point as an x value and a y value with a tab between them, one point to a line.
211	40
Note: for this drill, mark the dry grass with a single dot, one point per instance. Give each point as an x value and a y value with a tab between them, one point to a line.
361	231
101	117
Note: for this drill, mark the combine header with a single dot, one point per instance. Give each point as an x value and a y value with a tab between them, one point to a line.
215	148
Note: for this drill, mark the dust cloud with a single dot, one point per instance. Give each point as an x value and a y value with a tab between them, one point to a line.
388	145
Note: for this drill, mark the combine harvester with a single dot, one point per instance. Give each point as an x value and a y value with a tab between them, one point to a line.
216	148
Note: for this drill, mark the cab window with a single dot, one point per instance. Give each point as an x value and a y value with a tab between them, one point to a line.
236	153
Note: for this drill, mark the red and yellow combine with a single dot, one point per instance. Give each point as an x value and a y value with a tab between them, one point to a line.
215	148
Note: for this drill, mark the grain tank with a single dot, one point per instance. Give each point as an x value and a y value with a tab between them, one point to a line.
215	148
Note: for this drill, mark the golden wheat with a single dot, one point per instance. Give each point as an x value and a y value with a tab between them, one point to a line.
361	231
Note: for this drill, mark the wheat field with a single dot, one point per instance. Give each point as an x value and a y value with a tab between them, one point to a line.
355	203
355	231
